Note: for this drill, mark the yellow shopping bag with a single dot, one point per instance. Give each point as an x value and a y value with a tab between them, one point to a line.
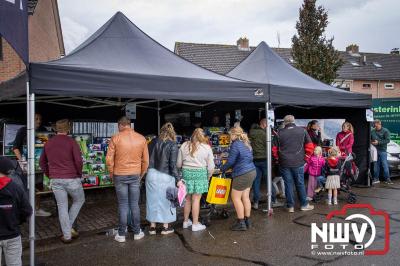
218	191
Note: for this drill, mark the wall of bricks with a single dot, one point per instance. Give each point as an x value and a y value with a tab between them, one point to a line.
11	65
377	88
43	41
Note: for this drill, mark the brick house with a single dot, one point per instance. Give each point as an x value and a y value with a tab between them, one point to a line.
373	73
45	39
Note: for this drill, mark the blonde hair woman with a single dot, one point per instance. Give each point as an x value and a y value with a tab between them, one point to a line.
162	174
244	172
196	159
345	139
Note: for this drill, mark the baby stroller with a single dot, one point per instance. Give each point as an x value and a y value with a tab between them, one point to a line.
348	175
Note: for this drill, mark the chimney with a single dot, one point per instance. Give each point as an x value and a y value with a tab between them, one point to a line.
395	51
243	44
352	49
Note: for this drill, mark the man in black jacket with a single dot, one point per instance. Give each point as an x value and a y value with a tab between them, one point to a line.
293	146
20	143
14	210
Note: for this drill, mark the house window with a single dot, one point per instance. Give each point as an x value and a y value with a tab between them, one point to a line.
366	86
389	86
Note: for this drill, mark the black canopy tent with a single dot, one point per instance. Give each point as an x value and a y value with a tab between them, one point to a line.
291	91
289	86
121	61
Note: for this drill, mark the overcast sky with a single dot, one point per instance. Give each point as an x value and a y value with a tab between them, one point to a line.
372	24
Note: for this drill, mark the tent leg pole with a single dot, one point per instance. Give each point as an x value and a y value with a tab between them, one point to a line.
158	118
31	169
268	153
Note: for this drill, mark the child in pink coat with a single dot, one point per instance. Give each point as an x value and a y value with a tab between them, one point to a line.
314	168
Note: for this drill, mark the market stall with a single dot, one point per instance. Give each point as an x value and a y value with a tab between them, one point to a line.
289	89
122	63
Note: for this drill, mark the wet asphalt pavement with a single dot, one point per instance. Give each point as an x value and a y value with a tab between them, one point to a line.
283	239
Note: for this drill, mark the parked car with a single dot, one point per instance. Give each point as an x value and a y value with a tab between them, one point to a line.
393	150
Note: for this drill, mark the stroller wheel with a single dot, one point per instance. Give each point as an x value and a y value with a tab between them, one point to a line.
317	197
352	198
224	214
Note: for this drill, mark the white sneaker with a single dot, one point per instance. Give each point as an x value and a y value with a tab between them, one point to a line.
329	202
290	209
120	239
198	227
42	213
255	206
309	199
138	236
335	202
187	224
309	207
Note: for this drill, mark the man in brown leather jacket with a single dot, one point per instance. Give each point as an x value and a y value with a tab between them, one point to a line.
127	162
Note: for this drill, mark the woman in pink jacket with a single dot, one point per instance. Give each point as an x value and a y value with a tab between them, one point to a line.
345	139
314	168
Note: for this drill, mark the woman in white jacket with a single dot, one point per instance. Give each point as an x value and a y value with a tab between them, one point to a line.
196	159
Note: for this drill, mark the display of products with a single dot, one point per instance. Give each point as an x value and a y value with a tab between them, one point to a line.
219	141
94	150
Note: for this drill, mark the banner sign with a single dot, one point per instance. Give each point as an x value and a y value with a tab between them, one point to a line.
388	111
14	26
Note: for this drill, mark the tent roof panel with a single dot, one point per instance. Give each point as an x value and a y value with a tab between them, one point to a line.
122	58
291	86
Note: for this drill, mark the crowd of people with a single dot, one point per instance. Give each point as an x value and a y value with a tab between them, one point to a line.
296	151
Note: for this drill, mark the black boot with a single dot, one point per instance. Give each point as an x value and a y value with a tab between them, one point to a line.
240	225
247	222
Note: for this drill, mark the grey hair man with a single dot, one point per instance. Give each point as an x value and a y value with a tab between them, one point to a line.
292	147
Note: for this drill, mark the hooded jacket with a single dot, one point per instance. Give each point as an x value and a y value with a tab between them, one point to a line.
315	165
332	166
14	208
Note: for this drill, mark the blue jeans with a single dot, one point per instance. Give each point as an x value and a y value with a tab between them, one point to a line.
128	194
296	175
321	181
261	169
382	162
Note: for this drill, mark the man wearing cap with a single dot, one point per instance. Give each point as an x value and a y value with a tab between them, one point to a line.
14	210
61	161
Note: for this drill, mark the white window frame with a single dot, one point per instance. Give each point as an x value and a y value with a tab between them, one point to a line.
389	86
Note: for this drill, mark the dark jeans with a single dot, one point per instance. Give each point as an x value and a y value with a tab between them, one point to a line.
294	175
382	162
261	169
128	194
